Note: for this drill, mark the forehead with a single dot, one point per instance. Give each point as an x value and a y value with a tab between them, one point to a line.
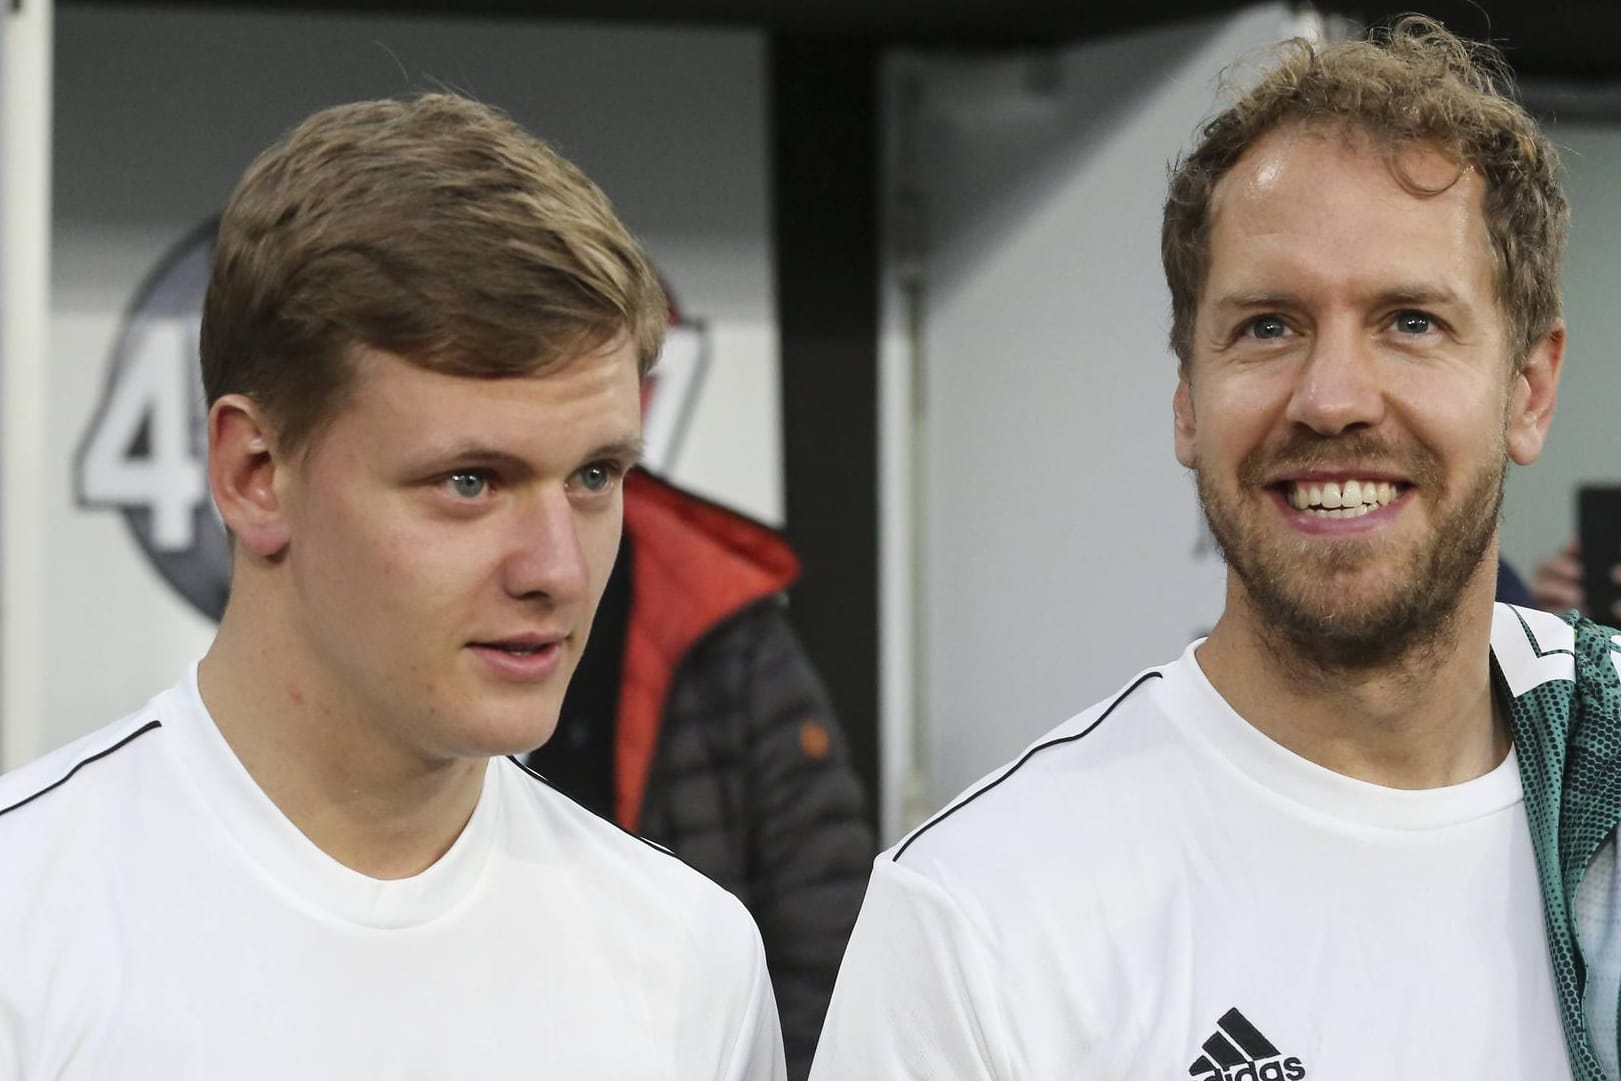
398	409
1329	206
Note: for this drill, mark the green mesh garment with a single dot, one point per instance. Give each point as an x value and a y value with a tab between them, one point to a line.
1568	737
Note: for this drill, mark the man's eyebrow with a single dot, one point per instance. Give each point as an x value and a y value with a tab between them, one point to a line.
629	451
468	452
1249	300
1418	295
472	452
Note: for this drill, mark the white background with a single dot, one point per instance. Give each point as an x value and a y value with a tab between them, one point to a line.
1060	539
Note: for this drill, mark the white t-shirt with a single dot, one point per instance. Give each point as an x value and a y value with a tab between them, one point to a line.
160	918
1156	891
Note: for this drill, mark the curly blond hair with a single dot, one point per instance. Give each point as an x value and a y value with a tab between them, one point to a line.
1413	83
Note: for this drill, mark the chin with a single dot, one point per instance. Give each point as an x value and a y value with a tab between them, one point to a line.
506	733
1375	630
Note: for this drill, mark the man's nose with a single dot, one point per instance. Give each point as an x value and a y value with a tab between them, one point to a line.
1337	388
546	558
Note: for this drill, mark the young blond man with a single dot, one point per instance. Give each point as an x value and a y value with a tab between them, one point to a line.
422	349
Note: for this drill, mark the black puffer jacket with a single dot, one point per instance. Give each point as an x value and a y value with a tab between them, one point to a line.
727	748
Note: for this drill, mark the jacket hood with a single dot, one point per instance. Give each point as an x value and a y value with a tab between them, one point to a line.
694	564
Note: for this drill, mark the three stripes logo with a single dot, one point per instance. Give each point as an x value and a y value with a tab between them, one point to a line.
1237	1051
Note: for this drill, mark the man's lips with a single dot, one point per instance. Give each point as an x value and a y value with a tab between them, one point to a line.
1336	503
522	658
520	643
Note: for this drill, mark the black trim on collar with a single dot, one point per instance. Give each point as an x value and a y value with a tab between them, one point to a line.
77	766
1011	770
537	775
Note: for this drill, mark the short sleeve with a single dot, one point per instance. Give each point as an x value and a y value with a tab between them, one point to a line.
915	997
757	1054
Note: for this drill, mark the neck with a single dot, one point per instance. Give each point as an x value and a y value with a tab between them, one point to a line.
366	802
1425	719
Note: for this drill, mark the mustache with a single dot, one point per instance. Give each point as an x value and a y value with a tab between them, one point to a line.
1303	450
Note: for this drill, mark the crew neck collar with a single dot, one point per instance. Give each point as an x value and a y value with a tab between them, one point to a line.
1205	717
291	861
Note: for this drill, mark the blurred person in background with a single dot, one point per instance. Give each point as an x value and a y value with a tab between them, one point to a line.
1558	586
1367	827
696	720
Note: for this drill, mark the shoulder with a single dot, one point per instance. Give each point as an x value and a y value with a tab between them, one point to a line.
731	653
94	770
743	690
1050	794
760	622
750	664
69	827
636	878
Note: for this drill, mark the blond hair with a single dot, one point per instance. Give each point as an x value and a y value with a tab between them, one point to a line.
436	229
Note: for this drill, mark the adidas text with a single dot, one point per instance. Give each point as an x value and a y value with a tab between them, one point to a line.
1277	1069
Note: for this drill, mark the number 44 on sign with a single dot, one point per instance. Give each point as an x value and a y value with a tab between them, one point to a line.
145	450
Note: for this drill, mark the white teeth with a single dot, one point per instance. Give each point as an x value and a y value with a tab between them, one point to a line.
1332	499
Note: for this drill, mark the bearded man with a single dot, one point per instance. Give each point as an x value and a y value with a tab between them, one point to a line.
1302	849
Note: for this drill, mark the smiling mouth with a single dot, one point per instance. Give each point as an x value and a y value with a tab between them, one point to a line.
1341	499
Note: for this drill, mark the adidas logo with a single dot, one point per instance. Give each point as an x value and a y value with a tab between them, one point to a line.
1237	1051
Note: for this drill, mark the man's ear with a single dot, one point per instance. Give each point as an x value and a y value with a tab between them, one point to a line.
1182	418
1532	395
242	465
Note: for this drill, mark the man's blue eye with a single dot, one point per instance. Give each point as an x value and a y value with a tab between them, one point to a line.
596	478
1268	327
468	485
1413	322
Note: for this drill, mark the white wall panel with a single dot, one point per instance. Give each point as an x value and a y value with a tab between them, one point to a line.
1585	444
1063	544
25	201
